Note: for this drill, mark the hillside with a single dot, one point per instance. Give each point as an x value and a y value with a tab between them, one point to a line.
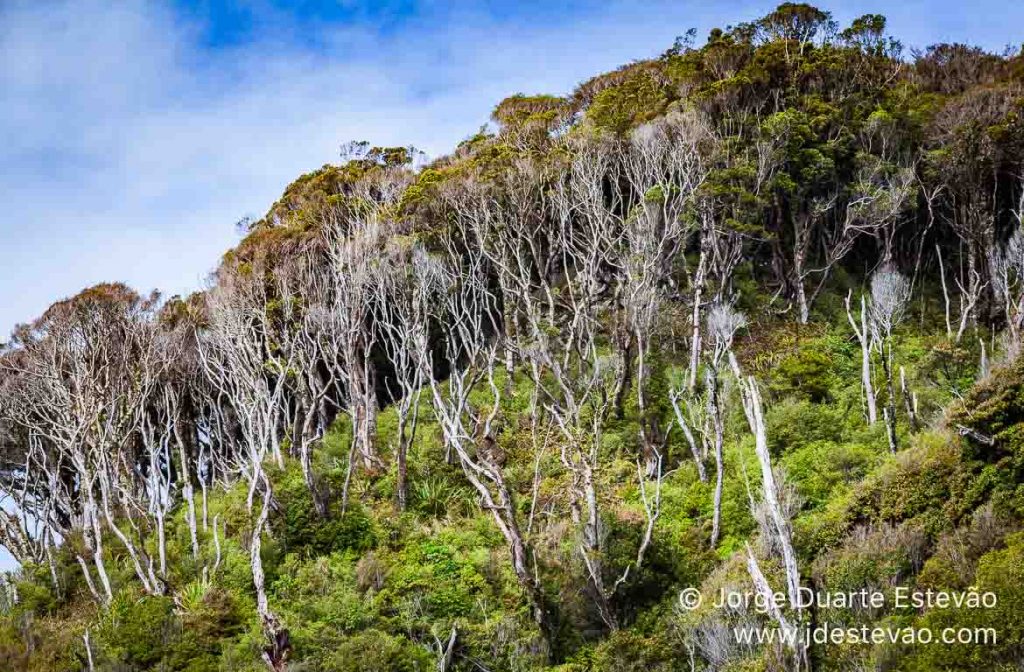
740	322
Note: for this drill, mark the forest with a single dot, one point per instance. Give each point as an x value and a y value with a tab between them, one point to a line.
743	318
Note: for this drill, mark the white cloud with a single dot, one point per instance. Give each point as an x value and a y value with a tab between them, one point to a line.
128	149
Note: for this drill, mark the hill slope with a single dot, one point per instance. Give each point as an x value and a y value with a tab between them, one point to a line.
737	322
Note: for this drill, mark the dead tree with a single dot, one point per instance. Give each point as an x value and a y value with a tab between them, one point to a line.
890	294
508	219
805	222
664	166
777	524
311	332
466	310
721	249
78	385
722	324
693	421
580	384
1007	264
247	373
404	290
353	242
865	339
945	291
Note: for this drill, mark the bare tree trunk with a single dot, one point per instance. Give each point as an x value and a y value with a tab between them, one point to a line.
698	290
88	650
625	375
764	590
445	651
945	291
755	418
276	651
592	549
778	527
684	425
216	543
365	412
864	339
370	426
206	507
715	411
188	492
405	439
88	580
890	403
486	477
129	545
91	516
349	469
801	301
909	400
970	293
802	225
308	438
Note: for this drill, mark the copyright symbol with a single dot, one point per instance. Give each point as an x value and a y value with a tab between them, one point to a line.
690	599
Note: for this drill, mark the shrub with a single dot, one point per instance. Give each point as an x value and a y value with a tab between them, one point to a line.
136	631
377	651
808	373
1001	572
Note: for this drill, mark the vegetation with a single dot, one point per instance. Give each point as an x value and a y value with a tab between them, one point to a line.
741	318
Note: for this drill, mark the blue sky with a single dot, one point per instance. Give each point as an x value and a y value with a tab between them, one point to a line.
134	134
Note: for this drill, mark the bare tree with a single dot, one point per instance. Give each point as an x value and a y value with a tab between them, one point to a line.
353	243
945	293
181	391
805	222
778	527
1007	264
467	312
890	294
311	332
509	220
404	290
694	422
663	163
722	324
79	384
579	383
865	339
971	169
248	374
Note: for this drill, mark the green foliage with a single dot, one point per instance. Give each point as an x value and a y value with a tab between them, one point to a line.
824	469
627	652
809	374
303	530
136	630
373	651
995	408
1002	573
640	97
520	112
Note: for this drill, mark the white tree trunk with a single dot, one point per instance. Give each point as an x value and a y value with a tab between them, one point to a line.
770	490
864	340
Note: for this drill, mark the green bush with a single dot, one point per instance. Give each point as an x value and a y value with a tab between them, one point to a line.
1002	573
137	631
377	651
